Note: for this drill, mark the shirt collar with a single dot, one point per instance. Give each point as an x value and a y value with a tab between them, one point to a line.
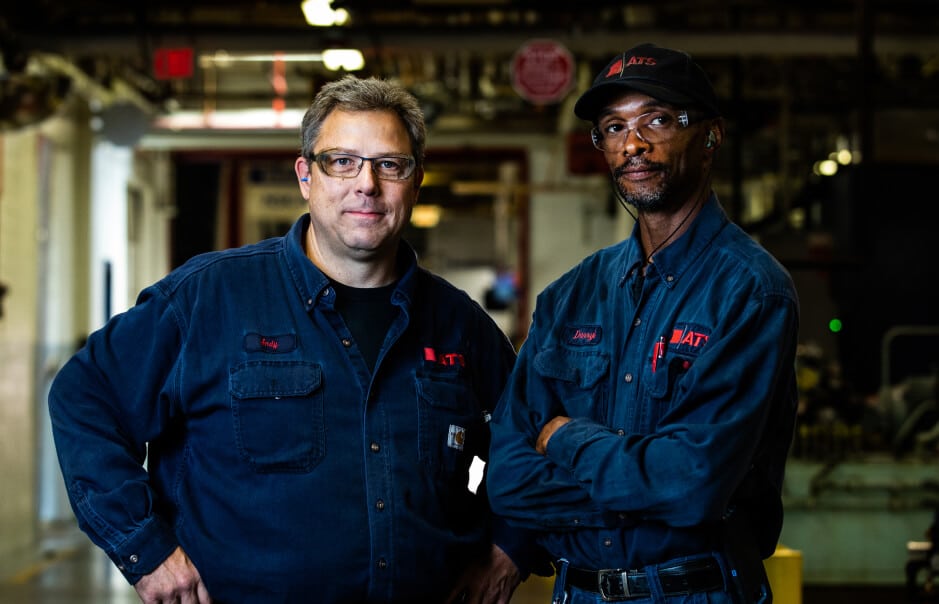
674	259
311	282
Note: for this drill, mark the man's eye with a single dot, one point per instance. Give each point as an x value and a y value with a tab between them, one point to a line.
613	128
660	120
389	164
341	161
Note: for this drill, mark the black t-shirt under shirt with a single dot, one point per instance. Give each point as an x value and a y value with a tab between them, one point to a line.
368	314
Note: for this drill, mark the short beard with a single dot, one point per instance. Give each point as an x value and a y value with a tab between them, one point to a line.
646	199
643	201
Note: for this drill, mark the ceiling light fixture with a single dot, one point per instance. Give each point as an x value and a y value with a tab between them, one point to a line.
350	59
320	13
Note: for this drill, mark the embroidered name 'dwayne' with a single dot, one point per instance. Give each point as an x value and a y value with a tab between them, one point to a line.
583	335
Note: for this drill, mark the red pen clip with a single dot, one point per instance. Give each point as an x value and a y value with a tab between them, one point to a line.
658	352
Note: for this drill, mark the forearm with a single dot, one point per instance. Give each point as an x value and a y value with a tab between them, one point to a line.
104	409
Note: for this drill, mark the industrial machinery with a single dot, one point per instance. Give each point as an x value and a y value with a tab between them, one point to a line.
862	484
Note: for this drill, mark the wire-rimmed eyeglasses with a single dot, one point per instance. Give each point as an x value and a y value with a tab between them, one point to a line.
653	127
348	165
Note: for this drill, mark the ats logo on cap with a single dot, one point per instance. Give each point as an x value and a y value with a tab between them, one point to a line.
617	68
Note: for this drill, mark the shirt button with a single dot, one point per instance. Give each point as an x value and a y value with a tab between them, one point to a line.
670	278
607	542
133	558
375	447
346	342
621	432
628	378
309	301
379	505
637	322
382	563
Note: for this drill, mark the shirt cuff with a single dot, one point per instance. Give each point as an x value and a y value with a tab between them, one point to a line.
145	550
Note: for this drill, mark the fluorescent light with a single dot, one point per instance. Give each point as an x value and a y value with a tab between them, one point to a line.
349	59
222	58
245	119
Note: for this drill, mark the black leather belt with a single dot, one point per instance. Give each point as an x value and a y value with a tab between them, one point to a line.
618	584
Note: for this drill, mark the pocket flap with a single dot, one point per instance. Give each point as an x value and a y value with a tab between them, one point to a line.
438	393
583	369
264	379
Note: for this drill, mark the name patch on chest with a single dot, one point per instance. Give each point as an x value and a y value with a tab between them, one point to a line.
583	335
255	342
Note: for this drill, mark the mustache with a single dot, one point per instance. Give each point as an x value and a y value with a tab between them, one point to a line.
636	164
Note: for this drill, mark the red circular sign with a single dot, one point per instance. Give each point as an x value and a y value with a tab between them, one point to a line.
542	71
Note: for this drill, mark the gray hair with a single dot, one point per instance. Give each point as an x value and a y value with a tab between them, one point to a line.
351	93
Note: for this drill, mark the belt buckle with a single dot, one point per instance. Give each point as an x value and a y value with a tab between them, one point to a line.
613	585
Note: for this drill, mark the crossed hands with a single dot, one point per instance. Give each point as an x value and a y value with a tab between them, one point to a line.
541	445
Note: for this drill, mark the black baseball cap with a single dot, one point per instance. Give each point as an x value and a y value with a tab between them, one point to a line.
668	75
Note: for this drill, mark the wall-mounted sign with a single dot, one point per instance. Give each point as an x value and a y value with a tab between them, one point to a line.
542	71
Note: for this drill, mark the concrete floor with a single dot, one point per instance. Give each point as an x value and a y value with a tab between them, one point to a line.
73	572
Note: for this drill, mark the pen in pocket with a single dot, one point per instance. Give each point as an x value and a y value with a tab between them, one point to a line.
658	353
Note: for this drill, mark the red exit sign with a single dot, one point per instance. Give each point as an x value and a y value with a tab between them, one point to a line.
172	63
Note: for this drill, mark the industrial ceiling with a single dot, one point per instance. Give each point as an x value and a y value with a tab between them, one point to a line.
457	55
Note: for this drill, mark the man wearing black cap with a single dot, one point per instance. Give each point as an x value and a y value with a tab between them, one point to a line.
645	427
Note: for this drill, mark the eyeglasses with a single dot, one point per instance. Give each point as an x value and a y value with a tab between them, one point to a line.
347	165
654	127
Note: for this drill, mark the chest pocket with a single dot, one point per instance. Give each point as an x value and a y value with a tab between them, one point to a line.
578	379
449	425
278	415
665	384
666	378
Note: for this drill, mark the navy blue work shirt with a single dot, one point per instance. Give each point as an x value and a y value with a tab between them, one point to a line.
282	466
682	405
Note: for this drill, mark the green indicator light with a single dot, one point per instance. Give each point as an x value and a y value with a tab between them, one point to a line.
834	325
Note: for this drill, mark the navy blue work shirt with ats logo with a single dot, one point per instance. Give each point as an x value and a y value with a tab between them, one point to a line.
682	401
280	464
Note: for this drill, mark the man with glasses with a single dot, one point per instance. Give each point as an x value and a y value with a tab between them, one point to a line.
644	430
294	420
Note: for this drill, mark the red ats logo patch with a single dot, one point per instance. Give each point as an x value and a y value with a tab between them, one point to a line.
688	338
447	359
